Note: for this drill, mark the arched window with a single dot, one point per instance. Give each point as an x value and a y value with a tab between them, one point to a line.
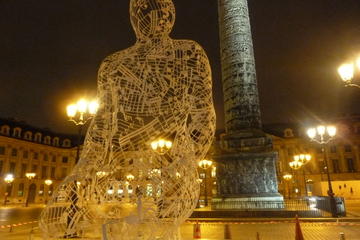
66	143
17	132
288	133
56	141
37	137
28	135
47	140
5	130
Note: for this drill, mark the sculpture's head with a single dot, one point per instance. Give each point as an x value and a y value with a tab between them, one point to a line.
152	18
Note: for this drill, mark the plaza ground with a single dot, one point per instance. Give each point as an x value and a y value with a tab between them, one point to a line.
240	229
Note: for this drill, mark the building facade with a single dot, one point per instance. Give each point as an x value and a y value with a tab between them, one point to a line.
343	154
25	149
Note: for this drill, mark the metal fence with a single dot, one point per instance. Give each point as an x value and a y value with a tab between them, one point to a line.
304	207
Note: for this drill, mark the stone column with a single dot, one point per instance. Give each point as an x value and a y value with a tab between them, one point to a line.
241	101
246	171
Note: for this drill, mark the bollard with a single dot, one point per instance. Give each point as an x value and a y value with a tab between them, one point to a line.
257	236
342	236
11	228
227	233
197	231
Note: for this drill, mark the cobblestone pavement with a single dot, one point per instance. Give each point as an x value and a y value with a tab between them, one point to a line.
238	231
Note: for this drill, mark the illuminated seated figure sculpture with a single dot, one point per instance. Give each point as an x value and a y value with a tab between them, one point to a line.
137	177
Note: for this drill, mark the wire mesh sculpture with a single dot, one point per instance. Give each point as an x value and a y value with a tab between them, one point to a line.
137	176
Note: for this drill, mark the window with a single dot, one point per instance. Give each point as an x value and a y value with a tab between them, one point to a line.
1	166
23	169
28	136
65	159
2	150
202	175
47	140
63	172
37	137
25	154
66	143
34	168
21	190
56	141
5	130
335	163
14	152
44	172
12	167
52	173
17	132
347	148
45	157
333	149
288	133
350	162
36	155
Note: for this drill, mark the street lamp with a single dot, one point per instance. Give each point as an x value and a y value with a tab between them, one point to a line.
300	161
287	177
29	176
48	182
205	164
347	71
9	178
161	146
323	135
80	113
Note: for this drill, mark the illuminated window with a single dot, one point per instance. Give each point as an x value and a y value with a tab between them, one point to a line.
202	175
213	172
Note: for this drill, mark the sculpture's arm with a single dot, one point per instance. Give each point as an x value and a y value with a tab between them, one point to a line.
202	124
98	136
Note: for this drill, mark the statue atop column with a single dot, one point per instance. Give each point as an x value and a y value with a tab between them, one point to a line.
137	173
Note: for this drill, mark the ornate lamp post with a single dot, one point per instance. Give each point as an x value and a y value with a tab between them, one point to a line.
9	178
323	135
300	161
347	71
205	164
161	146
29	176
48	183
80	113
287	177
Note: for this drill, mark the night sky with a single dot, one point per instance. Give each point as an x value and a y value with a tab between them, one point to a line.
50	52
